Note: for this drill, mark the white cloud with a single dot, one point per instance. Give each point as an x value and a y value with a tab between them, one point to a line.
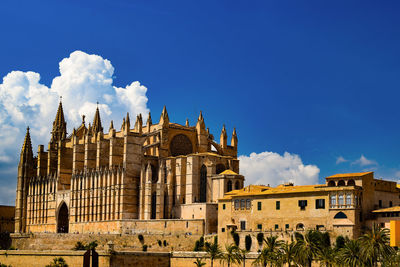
274	169
84	79
340	159
363	161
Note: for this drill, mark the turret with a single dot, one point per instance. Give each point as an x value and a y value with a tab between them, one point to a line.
223	140
96	128
59	131
187	122
25	172
149	122
234	140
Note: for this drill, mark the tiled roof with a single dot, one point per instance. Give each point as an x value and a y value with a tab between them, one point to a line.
391	209
229	172
343	175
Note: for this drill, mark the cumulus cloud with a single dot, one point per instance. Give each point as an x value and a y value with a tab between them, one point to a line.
84	79
274	169
340	159
363	161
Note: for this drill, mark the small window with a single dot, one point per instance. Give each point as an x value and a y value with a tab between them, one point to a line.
287	226
390	204
348	199
300	227
302	204
333	200
187	224
259	226
242	203
276	226
382	225
258	205
248	204
320	203
223	206
278	205
237	204
380	203
222	229
242	225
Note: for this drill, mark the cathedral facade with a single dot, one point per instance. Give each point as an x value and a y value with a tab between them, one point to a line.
162	177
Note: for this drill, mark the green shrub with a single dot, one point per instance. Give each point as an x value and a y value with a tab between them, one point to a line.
79	246
58	262
144	247
247	242
340	241
165	243
201	240
3	265
159	243
197	246
260	238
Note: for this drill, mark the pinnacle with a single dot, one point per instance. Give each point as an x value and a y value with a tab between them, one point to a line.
97	127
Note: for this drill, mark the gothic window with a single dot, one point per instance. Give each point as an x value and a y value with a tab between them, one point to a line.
237	185
154	174
180	145
229	186
153	205
220	168
340	215
63	219
203	184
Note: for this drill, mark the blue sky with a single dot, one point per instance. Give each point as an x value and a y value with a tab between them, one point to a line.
317	79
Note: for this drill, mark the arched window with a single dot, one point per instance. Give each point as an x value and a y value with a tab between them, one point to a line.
300	227
331	183
220	168
341	183
340	215
351	182
180	145
229	186
237	185
154	174
203	184
153	205
63	219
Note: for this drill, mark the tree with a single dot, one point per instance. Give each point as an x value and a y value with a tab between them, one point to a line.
243	254
199	262
273	245
247	242
287	252
262	258
307	247
375	245
232	254
58	262
349	255
214	251
326	256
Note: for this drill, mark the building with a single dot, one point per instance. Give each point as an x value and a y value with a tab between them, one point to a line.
345	205
161	177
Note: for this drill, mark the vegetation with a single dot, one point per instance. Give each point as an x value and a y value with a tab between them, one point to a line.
235	237
81	246
58	262
231	255
247	242
260	238
199	245
199	262
3	265
213	250
144	247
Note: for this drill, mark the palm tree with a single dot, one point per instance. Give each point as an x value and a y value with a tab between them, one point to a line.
307	247
349	255
287	252
273	245
232	254
375	245
243	253
262	258
326	256
214	251
199	262
58	262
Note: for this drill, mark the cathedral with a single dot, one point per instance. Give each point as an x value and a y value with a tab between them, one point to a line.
161	177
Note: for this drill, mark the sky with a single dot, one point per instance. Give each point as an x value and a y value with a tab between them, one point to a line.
312	87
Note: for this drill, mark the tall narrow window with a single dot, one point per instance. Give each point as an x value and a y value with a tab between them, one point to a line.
203	184
320	203
229	186
237	204
258	205
348	199
248	204
242	203
278	205
341	199
242	225
380	203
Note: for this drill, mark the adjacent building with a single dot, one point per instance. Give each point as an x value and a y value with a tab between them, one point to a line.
344	205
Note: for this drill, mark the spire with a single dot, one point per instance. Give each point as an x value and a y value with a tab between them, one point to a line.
200	122
59	125
164	119
187	122
234	140
27	146
97	121
123	125
127	122
139	123
223	138
149	121
111	126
